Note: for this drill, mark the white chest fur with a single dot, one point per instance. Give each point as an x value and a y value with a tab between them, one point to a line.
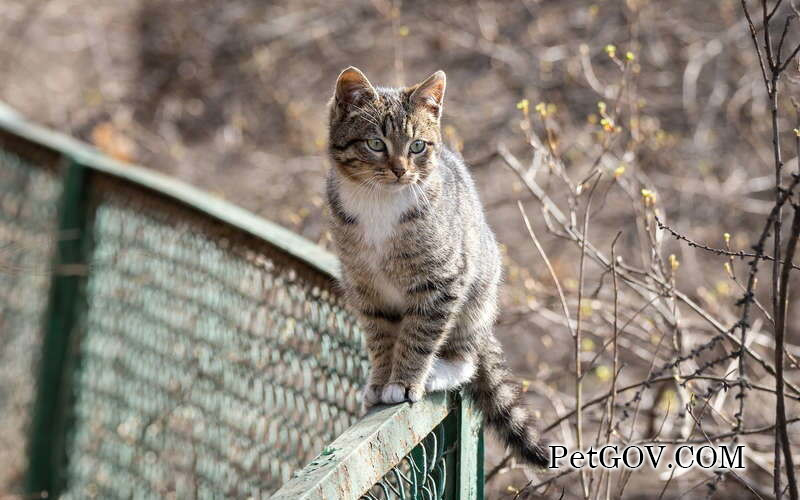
378	213
378	210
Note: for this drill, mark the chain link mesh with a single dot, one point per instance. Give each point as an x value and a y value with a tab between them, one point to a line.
28	223
209	365
423	473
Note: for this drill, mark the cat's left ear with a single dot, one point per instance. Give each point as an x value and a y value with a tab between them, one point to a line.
430	93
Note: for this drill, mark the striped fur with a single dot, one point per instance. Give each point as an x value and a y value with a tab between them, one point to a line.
420	265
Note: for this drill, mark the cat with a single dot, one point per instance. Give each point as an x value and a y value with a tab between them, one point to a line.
420	265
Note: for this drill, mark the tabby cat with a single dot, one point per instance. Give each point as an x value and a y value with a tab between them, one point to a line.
420	265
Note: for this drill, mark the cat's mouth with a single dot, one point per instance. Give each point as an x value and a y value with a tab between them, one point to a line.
397	182
402	183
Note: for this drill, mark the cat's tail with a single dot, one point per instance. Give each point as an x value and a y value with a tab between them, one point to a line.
500	399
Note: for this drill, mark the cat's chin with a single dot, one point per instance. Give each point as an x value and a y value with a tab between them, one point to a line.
396	187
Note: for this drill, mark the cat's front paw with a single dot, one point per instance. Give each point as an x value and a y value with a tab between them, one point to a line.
397	393
371	396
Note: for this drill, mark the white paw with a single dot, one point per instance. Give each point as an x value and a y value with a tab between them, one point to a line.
393	393
447	374
370	396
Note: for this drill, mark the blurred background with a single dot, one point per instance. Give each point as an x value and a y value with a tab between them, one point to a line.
232	97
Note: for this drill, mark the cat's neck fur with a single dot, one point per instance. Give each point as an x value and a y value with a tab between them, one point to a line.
378	209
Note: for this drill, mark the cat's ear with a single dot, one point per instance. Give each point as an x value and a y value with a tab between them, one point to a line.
430	93
352	87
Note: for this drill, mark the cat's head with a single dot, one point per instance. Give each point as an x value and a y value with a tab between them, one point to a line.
382	137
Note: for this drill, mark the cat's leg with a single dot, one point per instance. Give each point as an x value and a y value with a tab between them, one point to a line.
456	360
414	354
380	329
425	326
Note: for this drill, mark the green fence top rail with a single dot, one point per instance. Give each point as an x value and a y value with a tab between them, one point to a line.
291	243
364	453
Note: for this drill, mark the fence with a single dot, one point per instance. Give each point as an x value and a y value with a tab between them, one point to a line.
158	342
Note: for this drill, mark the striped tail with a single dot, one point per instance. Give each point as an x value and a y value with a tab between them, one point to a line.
500	399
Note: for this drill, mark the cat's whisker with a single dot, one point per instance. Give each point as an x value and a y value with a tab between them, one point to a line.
363	187
367	115
375	110
372	107
418	197
368	187
425	200
414	192
364	111
424	194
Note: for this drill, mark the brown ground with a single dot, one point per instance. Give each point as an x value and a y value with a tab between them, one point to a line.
232	97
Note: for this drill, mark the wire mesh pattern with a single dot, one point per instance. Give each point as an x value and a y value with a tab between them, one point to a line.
28	224
208	368
423	473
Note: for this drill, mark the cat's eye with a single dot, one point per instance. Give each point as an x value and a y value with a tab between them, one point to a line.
417	146
376	145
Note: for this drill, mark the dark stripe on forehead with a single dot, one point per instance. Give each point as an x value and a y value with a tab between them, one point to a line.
397	123
385	124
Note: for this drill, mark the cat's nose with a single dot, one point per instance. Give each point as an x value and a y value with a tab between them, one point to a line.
398	169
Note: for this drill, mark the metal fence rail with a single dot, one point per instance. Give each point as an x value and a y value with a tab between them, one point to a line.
188	349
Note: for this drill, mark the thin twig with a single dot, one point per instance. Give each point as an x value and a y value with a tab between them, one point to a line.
719	251
781	435
543	255
579	317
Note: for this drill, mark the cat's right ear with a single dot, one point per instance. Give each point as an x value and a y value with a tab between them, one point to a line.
352	87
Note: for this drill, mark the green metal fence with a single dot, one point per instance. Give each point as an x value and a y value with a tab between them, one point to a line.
156	342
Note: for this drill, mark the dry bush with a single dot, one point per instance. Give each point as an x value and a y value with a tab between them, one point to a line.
689	375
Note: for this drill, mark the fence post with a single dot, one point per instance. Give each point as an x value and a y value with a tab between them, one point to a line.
470	451
46	446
